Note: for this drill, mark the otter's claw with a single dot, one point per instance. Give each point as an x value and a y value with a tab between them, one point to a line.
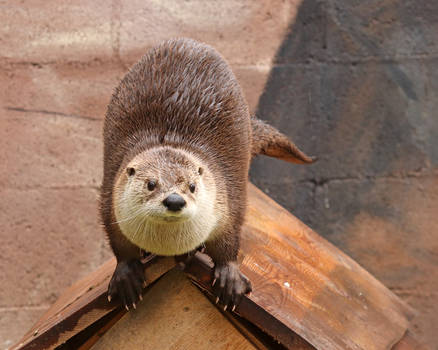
230	285
127	283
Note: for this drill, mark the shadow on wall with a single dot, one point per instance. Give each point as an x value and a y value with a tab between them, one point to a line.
356	84
349	86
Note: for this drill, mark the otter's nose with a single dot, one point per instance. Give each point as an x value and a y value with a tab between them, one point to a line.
174	202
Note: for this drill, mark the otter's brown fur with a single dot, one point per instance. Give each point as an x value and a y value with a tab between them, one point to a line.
182	94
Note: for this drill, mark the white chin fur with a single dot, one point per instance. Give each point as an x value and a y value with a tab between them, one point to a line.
168	235
164	233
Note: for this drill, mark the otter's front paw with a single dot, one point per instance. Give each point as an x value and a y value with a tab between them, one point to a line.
127	283
229	285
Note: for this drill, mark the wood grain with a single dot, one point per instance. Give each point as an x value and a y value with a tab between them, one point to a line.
260	339
304	287
309	287
312	287
174	315
409	343
81	305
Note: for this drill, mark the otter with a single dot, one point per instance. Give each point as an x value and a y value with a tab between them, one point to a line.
178	141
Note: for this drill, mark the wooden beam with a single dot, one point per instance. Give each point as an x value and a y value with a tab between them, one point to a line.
174	315
200	270
303	287
409	343
83	304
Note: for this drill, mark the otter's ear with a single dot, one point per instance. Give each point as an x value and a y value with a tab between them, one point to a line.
130	171
200	171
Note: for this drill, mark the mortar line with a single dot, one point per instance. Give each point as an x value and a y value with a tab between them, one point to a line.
116	24
55	113
312	61
54	187
427	172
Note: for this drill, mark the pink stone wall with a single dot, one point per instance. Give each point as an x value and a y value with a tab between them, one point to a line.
59	62
353	82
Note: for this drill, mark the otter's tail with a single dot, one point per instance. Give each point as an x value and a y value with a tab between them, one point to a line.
269	141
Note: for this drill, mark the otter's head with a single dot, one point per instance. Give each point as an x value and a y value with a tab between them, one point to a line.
164	201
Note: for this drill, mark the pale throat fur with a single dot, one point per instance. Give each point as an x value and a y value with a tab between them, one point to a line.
146	222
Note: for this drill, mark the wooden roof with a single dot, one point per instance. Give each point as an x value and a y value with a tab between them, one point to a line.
306	292
174	315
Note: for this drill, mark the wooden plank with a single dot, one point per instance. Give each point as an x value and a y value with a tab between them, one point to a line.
200	270
409	343
260	339
305	285
173	315
83	304
88	344
302	286
86	338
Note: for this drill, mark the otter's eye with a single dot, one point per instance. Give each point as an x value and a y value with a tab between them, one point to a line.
192	188
200	171
151	185
130	171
